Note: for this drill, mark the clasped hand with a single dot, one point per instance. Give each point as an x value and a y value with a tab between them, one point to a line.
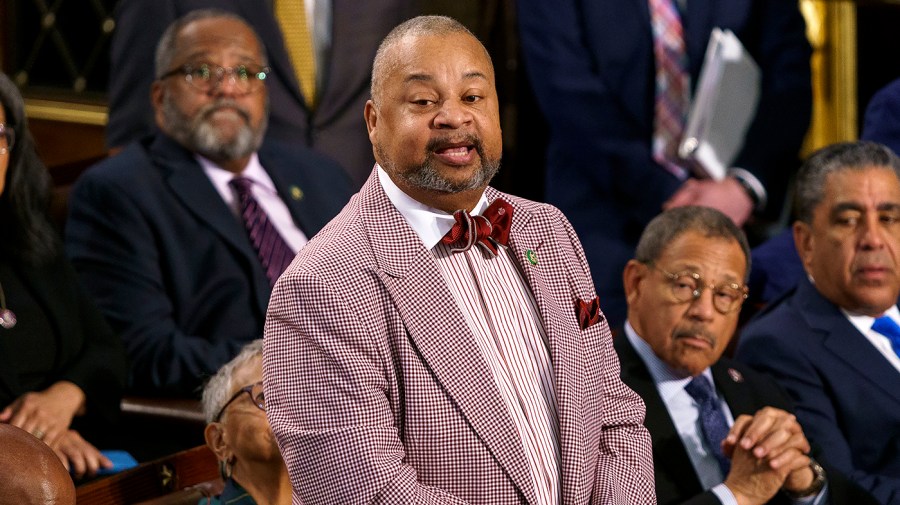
768	452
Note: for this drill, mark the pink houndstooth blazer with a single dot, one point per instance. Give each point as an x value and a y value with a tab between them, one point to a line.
377	392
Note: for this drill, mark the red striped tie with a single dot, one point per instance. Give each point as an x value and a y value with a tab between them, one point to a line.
672	84
272	250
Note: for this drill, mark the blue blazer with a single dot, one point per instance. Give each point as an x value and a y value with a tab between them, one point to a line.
881	122
591	64
171	266
335	128
847	394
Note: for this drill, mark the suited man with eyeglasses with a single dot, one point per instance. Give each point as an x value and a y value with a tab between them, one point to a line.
181	236
721	432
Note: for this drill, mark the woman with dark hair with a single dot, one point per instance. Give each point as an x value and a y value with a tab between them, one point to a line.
62	369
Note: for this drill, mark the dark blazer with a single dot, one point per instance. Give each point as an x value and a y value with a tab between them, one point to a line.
170	264
881	122
676	481
592	68
847	393
746	391
336	127
86	351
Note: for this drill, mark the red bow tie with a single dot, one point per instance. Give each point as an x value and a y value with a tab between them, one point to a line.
491	228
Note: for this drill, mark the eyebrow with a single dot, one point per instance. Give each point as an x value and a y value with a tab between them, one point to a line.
845	206
421	77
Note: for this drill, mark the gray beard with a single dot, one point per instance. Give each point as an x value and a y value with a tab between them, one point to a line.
199	135
426	176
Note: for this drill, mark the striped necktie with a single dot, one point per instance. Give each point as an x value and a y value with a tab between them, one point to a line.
291	15
672	84
273	252
712	420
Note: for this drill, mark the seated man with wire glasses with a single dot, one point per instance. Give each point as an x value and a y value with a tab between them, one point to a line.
720	431
239	434
181	236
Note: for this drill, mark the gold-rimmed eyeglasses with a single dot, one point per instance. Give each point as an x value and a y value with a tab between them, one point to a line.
7	138
255	391
206	76
687	286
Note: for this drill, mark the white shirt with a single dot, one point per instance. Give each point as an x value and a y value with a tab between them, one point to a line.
685	414
263	191
879	341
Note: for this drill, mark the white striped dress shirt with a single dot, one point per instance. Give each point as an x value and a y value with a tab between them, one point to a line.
503	316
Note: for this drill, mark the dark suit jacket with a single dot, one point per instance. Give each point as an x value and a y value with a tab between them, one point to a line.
87	352
336	127
592	68
171	266
676	481
882	120
746	391
847	393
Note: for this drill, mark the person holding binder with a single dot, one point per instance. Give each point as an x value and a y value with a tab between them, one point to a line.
615	79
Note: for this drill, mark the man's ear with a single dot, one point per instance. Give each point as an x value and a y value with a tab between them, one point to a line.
634	272
370	113
157	97
803	241
214	433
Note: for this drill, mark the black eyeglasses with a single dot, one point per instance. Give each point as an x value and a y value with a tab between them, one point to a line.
7	138
256	394
206	77
687	286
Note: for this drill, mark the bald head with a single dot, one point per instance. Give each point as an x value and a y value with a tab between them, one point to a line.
388	56
31	472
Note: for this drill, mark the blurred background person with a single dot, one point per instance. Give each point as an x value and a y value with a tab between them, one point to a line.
239	434
62	369
614	79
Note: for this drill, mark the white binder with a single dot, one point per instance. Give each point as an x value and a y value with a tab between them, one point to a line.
723	106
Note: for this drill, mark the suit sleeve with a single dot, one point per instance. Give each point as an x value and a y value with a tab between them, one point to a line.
139	25
625	466
99	367
780	47
585	114
327	401
769	351
117	258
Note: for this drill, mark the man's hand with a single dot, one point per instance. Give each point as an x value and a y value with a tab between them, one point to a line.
727	196
79	456
768	451
46	414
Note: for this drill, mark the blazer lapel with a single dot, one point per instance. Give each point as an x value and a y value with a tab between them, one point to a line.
442	338
533	250
191	186
843	340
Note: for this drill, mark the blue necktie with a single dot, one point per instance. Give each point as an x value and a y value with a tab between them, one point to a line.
712	420
887	327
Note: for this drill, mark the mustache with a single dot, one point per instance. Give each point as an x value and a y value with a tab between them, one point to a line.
224	103
695	332
449	140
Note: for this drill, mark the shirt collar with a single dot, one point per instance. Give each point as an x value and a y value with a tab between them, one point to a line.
253	171
430	224
864	323
668	382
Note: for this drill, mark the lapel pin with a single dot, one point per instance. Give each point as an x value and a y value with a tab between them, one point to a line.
296	193
735	375
531	256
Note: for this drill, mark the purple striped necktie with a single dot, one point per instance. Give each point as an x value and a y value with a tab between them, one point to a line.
273	252
672	84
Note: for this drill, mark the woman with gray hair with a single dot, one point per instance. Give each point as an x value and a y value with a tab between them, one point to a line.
238	433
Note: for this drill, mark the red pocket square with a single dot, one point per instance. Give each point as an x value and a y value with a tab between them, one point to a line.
588	312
